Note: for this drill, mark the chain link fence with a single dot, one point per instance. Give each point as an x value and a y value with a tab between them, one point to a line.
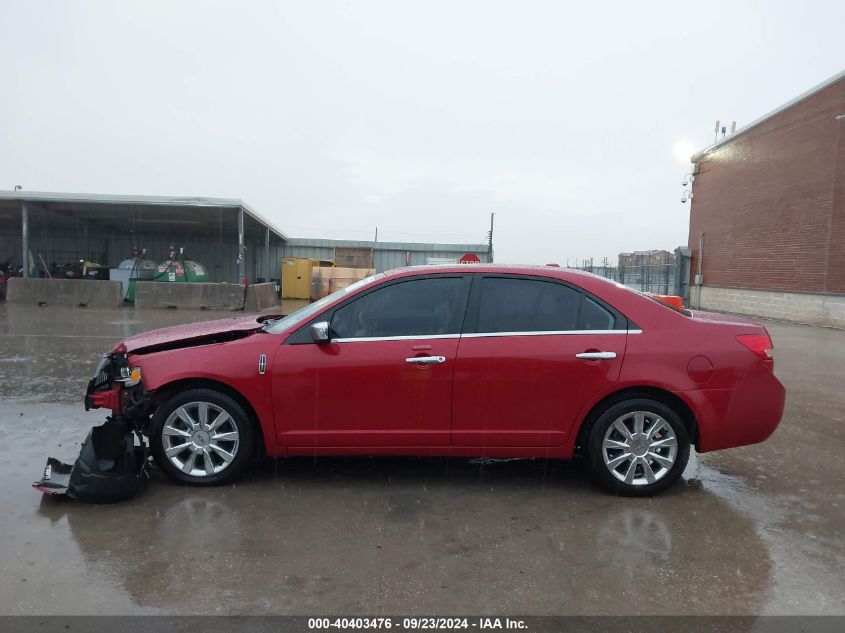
666	273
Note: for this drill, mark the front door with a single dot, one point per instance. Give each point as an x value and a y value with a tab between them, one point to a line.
522	375
385	379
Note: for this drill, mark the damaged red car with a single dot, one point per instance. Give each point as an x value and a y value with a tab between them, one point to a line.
488	360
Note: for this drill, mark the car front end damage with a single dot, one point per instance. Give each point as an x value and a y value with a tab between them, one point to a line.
117	386
113	463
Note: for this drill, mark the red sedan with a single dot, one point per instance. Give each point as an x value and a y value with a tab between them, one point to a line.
495	361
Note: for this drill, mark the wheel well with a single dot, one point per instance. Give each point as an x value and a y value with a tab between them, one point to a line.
661	395
166	391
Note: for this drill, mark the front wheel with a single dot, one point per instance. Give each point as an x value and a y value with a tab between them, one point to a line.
201	437
638	447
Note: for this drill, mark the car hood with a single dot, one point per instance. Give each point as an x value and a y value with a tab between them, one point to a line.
191	334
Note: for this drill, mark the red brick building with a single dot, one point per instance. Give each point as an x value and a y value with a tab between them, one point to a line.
767	216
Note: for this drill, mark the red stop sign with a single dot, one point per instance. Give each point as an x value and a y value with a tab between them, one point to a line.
470	258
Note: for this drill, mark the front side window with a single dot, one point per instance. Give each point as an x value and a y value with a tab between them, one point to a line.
304	313
419	307
527	305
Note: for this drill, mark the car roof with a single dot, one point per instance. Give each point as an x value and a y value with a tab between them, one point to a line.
517	269
617	295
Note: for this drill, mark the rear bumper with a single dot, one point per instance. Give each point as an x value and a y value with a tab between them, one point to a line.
745	415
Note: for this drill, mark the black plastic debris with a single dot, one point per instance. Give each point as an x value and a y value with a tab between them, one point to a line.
56	479
110	467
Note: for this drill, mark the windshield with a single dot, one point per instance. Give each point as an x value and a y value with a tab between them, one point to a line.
306	312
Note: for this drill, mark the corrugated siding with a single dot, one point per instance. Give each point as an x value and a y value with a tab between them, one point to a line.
386	255
310	252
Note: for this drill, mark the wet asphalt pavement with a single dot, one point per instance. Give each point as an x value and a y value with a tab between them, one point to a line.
754	530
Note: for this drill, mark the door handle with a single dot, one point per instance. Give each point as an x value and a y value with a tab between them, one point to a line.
596	355
426	360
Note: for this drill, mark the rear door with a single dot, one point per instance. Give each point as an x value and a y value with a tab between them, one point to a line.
534	350
385	379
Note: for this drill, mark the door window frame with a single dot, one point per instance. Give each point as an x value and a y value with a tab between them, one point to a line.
470	329
302	335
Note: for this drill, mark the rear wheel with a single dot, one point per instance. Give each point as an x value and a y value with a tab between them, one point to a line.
638	447
201	437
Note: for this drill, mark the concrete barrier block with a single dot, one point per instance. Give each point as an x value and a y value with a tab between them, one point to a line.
190	296
261	297
65	292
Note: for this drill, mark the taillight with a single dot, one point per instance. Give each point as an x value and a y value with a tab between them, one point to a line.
760	344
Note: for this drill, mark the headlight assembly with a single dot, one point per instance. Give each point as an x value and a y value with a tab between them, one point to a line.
130	376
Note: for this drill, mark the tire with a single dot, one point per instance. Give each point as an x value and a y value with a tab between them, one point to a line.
647	459
228	443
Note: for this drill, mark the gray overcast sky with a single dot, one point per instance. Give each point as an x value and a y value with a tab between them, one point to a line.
419	118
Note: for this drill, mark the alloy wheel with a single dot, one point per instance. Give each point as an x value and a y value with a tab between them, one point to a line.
200	439
639	448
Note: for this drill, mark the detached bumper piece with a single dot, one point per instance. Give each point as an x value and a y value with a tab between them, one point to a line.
110	468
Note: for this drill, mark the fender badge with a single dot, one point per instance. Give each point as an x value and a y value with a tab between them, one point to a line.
262	363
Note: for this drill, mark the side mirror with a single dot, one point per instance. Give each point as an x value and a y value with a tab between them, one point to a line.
320	332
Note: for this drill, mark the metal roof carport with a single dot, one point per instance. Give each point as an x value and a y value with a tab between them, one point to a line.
226	235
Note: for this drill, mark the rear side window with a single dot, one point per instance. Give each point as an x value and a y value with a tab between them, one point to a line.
595	316
526	305
418	307
529	305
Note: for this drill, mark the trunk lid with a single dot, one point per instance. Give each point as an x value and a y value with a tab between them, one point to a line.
718	317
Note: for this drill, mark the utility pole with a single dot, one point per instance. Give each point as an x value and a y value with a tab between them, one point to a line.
490	240
376	240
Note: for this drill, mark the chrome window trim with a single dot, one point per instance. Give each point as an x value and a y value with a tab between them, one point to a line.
544	333
413	337
421	337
